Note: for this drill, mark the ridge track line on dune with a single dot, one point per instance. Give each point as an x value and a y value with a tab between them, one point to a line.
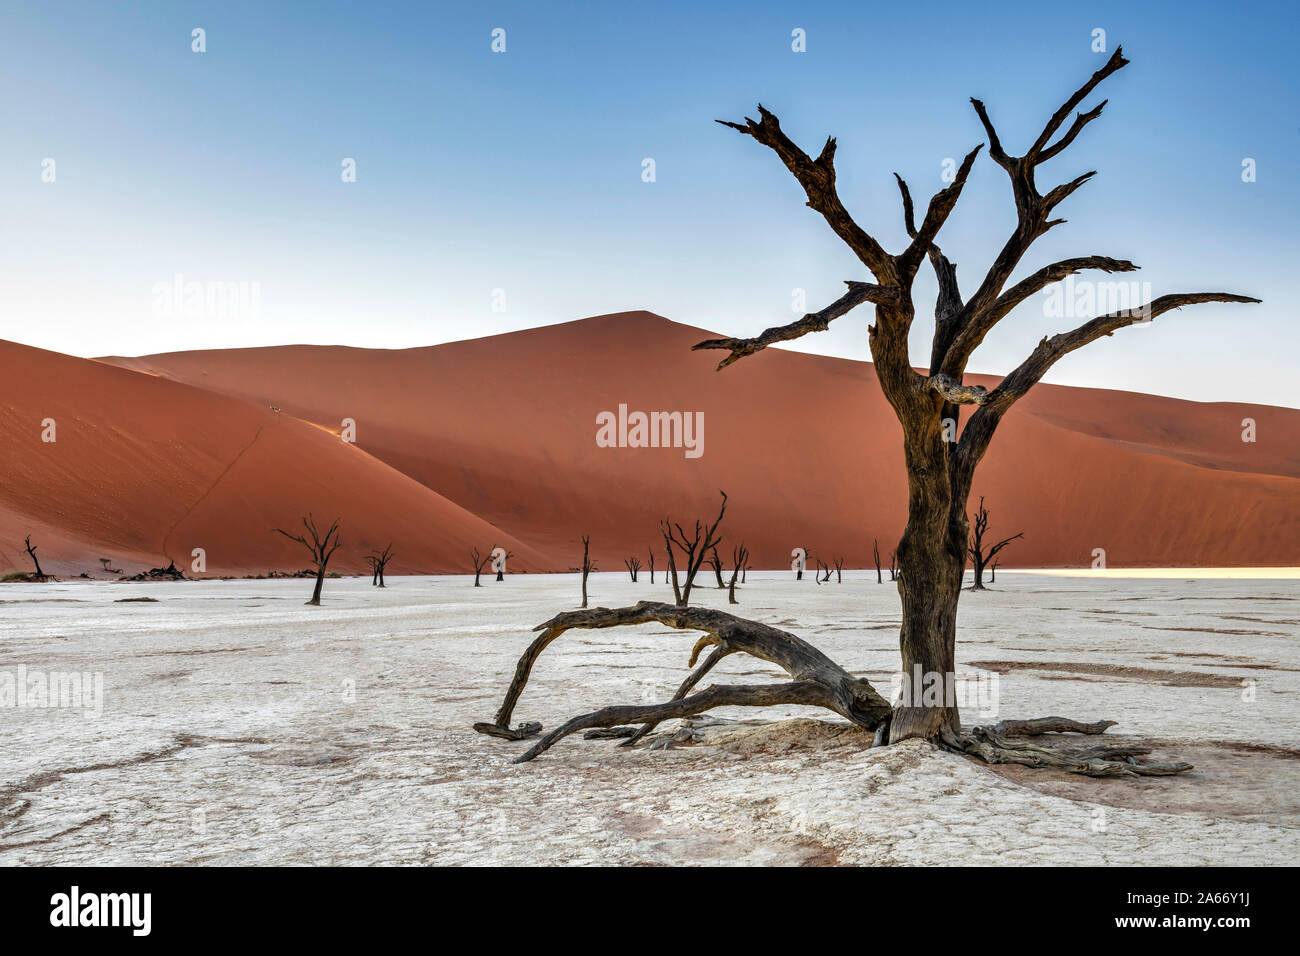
216	481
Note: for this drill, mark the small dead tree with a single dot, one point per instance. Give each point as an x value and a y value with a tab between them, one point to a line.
798	561
378	561
993	573
587	565
823	574
893	566
875	547
693	548
739	555
978	555
31	553
322	548
716	563
839	570
480	562
633	565
651	553
499	557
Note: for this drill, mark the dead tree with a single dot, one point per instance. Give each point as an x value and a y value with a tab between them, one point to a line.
322	548
894	573
716	563
587	565
823	574
993	573
480	561
940	466
378	561
839	570
499	557
693	548
875	547
633	565
651	553
739	555
798	561
979	556
31	553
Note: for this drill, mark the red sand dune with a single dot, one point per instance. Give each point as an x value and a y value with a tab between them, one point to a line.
144	470
505	427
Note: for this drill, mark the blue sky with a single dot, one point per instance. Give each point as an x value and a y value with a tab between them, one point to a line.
522	171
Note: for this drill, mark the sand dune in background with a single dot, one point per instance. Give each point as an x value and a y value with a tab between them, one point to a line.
145	470
805	445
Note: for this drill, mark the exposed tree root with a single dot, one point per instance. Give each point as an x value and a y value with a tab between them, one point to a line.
1049	725
816	680
1114	760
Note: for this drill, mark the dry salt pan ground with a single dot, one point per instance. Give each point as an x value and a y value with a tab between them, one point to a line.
239	726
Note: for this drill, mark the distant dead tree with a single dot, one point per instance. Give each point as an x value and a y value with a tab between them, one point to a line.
651	553
31	553
823	574
694	549
499	556
875	547
893	566
739	555
716	563
106	562
839	570
993	572
322	548
587	565
378	561
480	561
633	565
979	556
798	561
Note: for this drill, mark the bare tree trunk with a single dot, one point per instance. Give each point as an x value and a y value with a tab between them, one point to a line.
31	553
875	547
740	554
320	583
586	565
651	553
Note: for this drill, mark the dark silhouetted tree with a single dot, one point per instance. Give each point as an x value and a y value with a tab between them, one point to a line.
321	547
979	555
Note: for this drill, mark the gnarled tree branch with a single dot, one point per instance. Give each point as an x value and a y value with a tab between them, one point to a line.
859	292
817	177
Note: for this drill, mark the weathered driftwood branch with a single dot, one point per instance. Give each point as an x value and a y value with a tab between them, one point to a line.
955	392
1106	760
816	680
